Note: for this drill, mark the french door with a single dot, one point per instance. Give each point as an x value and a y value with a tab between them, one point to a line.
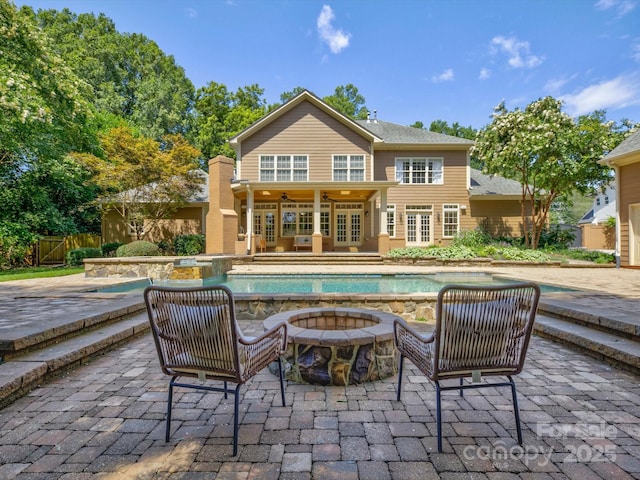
348	224
419	226
264	222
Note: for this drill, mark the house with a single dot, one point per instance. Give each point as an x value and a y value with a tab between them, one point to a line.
186	220
308	178
597	234
625	159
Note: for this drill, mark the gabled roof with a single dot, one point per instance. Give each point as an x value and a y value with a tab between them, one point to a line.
377	131
627	147
490	185
304	96
600	216
399	134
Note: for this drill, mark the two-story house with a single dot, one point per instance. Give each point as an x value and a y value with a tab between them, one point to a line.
625	159
308	177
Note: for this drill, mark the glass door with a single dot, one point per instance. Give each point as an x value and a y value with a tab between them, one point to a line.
348	224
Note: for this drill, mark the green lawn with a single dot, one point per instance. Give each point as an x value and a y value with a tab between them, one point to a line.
37	272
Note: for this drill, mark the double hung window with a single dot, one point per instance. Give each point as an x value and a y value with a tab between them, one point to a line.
419	170
284	168
348	168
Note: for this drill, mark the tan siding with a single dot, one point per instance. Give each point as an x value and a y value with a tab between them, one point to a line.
185	221
452	191
304	130
629	187
499	218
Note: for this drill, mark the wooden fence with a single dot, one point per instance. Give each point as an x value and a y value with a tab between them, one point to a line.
53	250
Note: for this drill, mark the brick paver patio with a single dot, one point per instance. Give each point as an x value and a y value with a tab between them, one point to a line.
105	420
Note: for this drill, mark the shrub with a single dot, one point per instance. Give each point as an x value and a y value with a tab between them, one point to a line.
189	244
74	257
16	242
164	246
139	248
523	255
472	238
109	249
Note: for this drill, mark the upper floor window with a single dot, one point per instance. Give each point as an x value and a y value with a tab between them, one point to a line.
348	168
419	170
450	223
606	199
284	168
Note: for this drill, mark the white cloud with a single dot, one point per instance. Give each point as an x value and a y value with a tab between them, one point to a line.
635	51
517	51
336	39
485	74
620	92
621	7
191	12
555	84
446	76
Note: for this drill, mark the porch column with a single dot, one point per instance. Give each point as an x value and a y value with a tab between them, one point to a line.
316	238
251	247
383	236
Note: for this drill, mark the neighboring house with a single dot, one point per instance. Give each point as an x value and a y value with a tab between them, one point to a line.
308	177
189	219
596	234
625	159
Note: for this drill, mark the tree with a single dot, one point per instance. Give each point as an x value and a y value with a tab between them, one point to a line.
286	96
220	115
43	115
455	130
143	180
130	75
348	101
549	153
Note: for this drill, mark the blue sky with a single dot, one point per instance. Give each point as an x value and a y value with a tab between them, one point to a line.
411	60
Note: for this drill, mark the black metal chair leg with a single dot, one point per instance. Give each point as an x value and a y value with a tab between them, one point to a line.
516	409
225	391
461	390
169	400
235	419
439	417
400	365
281	380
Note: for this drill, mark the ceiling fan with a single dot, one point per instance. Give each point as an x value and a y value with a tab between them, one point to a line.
326	198
285	198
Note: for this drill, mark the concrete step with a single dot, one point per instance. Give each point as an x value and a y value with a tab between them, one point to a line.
619	323
609	346
28	369
324	259
58	324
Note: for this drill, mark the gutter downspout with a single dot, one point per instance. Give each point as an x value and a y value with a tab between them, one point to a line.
618	205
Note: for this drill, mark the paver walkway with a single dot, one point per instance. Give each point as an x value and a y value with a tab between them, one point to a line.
105	420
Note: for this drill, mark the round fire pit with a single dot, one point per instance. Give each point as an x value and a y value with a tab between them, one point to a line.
337	346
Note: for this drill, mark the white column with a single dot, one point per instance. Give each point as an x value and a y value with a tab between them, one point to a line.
316	212
383	211
249	218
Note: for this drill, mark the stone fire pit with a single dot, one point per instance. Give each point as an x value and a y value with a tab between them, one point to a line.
337	346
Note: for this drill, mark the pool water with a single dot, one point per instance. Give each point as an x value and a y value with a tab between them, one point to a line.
337	283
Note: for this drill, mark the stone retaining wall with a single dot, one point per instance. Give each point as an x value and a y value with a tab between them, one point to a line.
157	268
412	307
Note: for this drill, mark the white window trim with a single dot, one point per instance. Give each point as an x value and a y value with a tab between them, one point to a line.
450	207
391	209
399	160
275	166
349	168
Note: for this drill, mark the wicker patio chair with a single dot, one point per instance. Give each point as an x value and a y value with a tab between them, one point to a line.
479	331
197	336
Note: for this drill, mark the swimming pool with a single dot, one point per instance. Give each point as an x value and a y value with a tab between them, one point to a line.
336	283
